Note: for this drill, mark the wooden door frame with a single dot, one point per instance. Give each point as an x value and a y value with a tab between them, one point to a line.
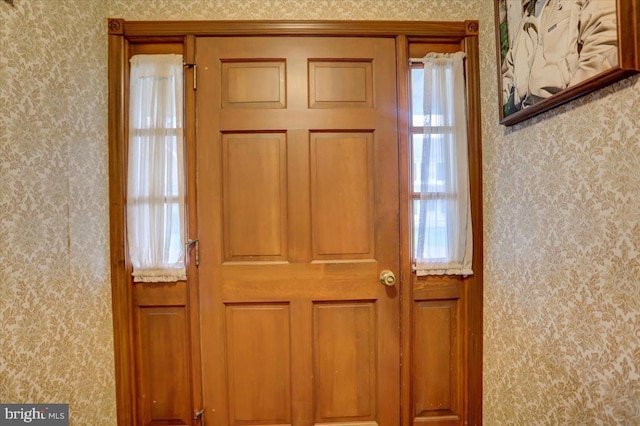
125	34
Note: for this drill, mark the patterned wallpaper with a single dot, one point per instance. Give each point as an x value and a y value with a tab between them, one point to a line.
56	343
562	283
562	228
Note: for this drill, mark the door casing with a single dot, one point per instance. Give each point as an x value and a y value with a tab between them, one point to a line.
131	302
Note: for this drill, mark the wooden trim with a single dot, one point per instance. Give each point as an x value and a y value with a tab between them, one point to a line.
406	282
116	26
471	28
475	284
122	32
120	288
628	13
441	29
192	227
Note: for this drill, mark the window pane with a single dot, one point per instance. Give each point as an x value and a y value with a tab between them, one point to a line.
437	171
417	96
155	185
175	240
171	178
417	100
433	244
438	133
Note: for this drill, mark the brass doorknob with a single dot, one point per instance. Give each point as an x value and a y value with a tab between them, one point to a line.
387	278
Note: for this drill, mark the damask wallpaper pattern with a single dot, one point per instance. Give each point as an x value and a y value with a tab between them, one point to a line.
55	295
561	205
562	232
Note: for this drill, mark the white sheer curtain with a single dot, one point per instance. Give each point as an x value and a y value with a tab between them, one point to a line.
155	180
443	240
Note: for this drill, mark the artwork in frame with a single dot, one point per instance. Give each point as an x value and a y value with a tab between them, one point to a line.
552	51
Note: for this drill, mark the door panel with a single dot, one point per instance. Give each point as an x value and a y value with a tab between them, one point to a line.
344	354
253	84
258	335
255	196
342	195
345	84
436	375
164	375
297	205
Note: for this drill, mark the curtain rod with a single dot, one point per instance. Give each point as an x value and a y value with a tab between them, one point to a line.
423	60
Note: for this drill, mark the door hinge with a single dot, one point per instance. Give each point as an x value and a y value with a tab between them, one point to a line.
195	74
199	416
196	244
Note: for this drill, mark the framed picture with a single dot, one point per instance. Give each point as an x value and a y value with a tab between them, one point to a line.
552	51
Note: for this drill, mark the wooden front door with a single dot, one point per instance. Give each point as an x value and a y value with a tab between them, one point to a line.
297	209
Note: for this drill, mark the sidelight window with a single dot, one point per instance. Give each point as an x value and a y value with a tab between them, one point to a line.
155	179
442	240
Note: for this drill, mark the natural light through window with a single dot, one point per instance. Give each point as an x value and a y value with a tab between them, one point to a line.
155	180
440	183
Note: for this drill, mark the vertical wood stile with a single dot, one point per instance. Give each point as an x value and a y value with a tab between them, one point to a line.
121	291
192	227
475	289
406	297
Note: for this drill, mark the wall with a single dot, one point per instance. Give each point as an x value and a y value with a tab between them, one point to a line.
562	253
562	237
55	294
562	250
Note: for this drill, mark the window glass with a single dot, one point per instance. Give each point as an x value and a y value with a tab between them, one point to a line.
442	241
156	176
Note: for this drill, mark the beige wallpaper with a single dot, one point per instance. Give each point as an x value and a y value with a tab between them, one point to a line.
562	232
562	219
55	296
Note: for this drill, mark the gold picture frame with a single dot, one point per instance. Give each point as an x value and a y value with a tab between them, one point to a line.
552	51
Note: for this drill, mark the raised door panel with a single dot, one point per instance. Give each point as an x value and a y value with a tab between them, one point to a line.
342	199
340	84
253	84
258	357
437	386
163	359
255	196
344	349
